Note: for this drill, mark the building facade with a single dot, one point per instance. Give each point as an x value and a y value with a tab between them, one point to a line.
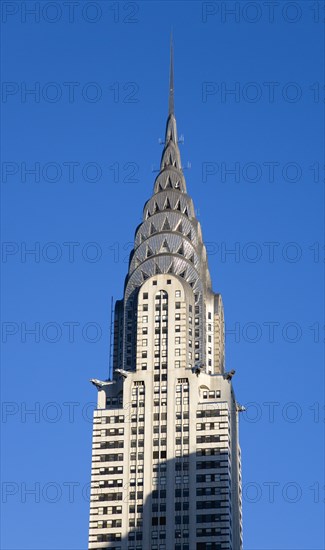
166	468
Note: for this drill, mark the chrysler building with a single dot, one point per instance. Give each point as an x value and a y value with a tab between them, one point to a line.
166	467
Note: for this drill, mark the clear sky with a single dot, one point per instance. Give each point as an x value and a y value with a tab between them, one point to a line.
78	163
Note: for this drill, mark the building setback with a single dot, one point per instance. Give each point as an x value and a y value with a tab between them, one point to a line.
166	468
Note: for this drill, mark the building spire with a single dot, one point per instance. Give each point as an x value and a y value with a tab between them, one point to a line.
171	78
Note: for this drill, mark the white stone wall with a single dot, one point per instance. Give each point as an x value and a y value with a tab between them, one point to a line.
160	426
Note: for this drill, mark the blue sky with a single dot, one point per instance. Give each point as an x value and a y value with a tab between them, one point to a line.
78	163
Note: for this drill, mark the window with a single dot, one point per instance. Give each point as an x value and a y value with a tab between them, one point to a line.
177	328
177	340
145	330
177	305
177	364
177	316
177	351
209	315
145	342
177	294
144	318
145	296
169	282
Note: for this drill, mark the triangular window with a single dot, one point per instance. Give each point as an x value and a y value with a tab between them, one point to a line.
165	247
166	226
167	205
